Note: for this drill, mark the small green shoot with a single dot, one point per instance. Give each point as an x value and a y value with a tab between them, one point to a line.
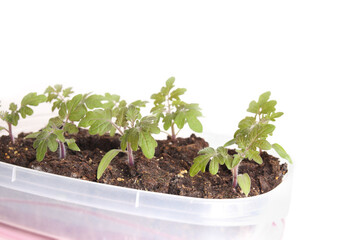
12	116
173	111
70	110
114	115
250	138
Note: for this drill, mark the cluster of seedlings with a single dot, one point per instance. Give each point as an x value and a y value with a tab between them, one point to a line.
108	114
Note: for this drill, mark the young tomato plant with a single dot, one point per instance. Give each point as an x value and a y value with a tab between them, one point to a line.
70	110
250	138
12	116
113	115
173	111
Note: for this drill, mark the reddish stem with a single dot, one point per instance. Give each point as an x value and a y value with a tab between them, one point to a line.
11	133
62	150
235	171
130	155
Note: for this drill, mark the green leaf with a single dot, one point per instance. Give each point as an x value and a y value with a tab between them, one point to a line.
168	86
56	105
105	161
222	151
67	92
100	127
214	165
14	119
112	97
255	156
58	87
170	82
277	115
139	103
230	142
205	155
264	98
154	129
133	113
25	111
180	119
112	131
42	136
74	102
244	182
282	153
266	129
261	131
236	160
76	108
55	122
133	138
268	107
51	97
52	143
158	109
207	151
246	122
121	117
60	135
31	135
168	121
62	110
200	163
41	150
13	107
71	128
147	144
149	124
99	121
124	140
194	106
33	99
78	113
263	144
159	98
49	90
193	122
253	107
217	159
176	93
94	101
72	145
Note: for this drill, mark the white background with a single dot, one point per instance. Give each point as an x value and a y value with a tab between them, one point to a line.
226	53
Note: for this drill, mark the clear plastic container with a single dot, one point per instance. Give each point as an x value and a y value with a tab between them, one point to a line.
39	205
48	205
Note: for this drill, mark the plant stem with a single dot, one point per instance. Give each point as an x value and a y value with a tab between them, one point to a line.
11	133
117	128
235	171
130	154
62	150
173	134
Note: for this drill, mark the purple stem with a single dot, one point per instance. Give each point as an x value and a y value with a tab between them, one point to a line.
235	171
130	154
62	150
11	133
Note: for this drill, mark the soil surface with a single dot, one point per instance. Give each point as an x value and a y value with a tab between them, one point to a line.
167	172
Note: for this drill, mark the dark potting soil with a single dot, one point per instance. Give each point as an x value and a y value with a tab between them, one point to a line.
167	172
